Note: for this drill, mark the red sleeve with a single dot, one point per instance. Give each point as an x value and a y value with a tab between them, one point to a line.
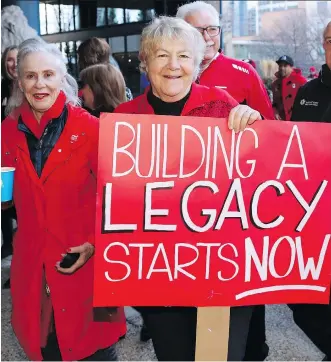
303	80
94	143
258	98
225	96
123	108
92	130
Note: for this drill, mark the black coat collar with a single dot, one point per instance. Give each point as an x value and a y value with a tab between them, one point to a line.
325	75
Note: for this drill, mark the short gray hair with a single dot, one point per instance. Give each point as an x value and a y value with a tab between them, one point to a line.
166	27
190	8
326	29
69	88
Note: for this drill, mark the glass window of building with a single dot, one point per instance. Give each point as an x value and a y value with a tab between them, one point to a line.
56	17
65	18
117	44
49	18
115	16
133	43
101	16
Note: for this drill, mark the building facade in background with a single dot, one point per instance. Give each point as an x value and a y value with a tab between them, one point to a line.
252	22
67	23
275	6
239	18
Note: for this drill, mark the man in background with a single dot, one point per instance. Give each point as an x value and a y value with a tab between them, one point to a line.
238	78
312	104
285	87
312	73
313	100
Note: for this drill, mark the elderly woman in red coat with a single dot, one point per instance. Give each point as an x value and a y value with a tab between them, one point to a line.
52	143
171	52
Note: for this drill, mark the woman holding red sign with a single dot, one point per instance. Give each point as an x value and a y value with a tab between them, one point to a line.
170	54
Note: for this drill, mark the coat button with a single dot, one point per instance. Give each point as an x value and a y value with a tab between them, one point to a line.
70	349
83	134
63	310
59	150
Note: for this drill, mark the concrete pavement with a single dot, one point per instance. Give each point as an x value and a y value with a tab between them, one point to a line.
285	339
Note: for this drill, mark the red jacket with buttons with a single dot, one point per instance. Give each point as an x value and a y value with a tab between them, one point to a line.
55	212
284	92
241	80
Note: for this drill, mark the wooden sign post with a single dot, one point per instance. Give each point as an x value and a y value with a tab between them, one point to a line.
213	326
192	214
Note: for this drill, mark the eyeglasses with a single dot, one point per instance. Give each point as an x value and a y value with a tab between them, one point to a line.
211	30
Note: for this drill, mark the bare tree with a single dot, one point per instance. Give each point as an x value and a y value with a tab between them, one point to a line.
296	35
127	16
64	15
226	26
111	16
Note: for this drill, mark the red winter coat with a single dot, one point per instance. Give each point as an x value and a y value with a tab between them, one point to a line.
202	102
284	92
241	80
55	212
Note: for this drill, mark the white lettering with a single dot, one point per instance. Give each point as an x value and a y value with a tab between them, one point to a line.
295	132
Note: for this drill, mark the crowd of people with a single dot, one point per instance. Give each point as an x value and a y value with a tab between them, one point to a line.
50	135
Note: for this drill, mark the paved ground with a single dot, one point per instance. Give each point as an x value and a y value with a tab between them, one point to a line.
286	341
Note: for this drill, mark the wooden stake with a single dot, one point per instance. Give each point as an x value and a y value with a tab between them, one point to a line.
212	338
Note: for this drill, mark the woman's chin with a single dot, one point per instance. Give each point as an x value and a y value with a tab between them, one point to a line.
176	93
41	108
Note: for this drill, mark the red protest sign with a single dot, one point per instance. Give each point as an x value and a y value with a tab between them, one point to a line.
189	213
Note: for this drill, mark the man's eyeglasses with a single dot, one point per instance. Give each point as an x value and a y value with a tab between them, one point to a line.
211	30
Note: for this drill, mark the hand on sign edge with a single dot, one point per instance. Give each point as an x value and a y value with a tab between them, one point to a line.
241	116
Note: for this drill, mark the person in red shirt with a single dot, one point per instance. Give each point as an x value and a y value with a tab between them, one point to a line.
285	87
313	74
53	145
238	78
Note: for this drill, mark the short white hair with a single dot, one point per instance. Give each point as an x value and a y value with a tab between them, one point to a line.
191	8
328	25
36	45
170	28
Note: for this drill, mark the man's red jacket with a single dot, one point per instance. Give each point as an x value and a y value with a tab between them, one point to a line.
239	79
284	92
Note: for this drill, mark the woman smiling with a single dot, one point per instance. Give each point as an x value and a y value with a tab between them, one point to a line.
53	146
171	53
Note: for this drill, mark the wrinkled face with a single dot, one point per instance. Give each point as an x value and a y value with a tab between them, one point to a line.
40	80
284	69
327	46
170	70
11	63
88	96
204	19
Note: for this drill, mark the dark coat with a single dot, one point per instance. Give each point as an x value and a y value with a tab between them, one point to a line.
284	92
313	101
